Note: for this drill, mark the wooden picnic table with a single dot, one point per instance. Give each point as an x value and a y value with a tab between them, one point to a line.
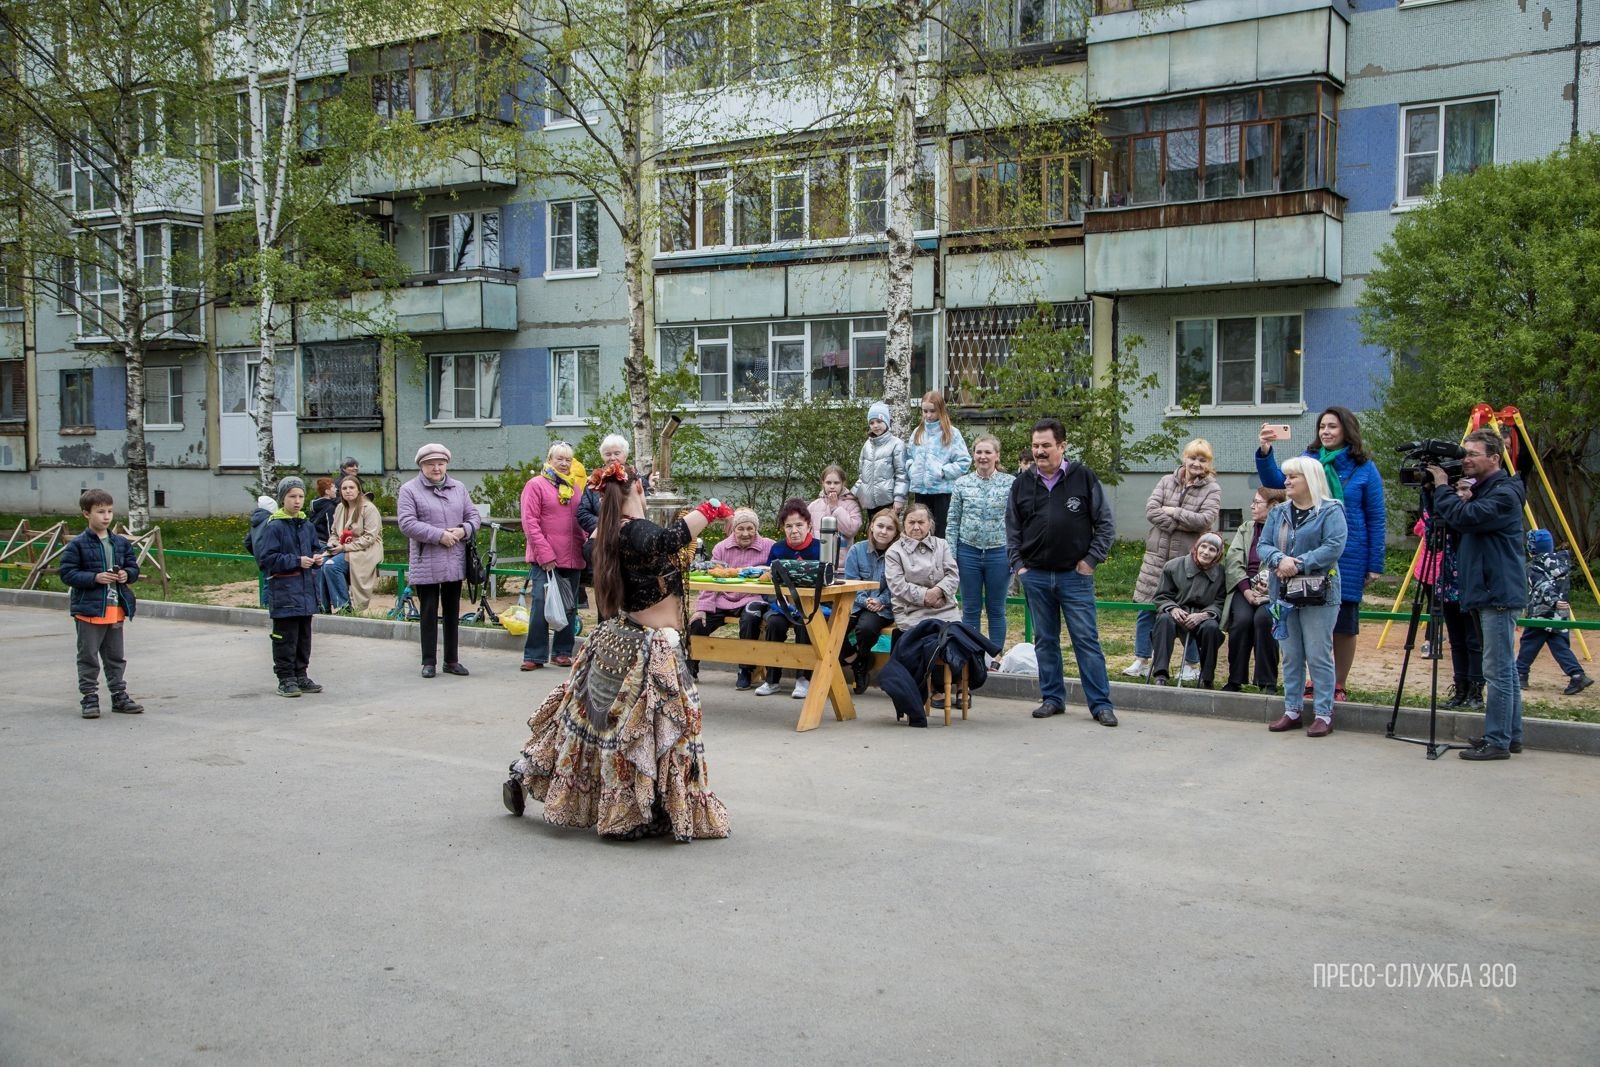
820	657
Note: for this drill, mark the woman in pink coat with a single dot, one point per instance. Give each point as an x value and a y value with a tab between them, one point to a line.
555	553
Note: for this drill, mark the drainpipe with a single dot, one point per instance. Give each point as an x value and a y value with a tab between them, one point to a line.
1577	65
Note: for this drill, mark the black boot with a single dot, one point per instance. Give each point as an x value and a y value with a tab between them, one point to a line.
1475	696
1458	695
861	672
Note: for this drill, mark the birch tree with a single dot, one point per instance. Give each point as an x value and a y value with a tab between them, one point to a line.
98	100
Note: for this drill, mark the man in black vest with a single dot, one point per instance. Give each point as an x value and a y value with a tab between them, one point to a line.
1059	528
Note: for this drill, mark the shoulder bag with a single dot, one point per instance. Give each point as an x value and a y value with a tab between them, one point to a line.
1303	590
789	576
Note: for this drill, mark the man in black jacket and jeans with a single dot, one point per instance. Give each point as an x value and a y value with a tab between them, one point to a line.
1059	528
1486	510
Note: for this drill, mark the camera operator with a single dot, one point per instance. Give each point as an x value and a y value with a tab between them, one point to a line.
1486	511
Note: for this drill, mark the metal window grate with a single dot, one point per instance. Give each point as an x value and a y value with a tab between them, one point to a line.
979	339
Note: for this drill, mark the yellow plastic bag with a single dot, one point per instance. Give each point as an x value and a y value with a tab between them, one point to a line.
515	619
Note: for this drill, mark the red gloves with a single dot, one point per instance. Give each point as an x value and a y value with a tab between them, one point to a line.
715	509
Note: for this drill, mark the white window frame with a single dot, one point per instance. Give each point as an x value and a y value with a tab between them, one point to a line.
554	117
1256	406
477	257
1402	201
169	394
165	292
577	405
481	379
99	300
570	209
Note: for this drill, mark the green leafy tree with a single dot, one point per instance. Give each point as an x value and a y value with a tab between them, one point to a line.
670	393
1490	293
783	454
1050	373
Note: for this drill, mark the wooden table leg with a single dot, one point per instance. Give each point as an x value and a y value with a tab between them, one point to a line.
827	677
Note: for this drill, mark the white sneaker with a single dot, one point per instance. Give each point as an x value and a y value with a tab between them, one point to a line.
801	688
1190	673
766	689
1137	668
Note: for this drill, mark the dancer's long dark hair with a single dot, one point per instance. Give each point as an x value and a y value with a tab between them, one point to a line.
607	548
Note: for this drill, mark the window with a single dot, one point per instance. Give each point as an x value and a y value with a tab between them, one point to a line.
65	284
464	387
341	384
751	204
575	382
1237	361
10	284
77	399
978	340
99	300
1274	140
91	188
163	398
1441	139
429	80
574	236
13	391
1018	23
236	138
163	129
761	362
997	183
169	279
315	99
566	96
463	240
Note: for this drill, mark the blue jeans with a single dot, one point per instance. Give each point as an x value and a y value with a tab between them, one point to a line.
333	582
1052	596
537	648
1502	699
1536	637
984	577
1308	645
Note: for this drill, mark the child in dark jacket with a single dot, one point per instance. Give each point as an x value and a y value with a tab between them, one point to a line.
286	550
1549	584
100	568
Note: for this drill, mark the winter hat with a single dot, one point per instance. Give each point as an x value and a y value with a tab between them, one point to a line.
746	515
880	410
287	484
1540	541
264	501
433	450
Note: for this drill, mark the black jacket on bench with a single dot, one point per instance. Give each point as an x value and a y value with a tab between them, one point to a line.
905	676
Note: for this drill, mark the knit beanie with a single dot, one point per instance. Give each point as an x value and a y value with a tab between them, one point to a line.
1540	541
880	410
287	484
746	515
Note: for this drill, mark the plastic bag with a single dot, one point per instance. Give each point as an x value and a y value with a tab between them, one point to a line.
515	620
1022	659
556	607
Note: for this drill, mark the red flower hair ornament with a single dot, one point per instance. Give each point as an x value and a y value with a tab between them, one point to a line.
611	472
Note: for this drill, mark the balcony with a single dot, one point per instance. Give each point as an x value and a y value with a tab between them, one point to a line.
1276	239
465	173
1211	44
482	299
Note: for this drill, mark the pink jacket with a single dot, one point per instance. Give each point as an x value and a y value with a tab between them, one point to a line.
727	553
554	537
847	513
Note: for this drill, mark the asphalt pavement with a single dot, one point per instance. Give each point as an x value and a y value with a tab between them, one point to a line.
237	878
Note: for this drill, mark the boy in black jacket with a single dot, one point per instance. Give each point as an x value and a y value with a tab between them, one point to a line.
100	568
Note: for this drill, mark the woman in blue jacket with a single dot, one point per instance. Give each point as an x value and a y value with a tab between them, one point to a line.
1304	535
1353	479
872	611
286	550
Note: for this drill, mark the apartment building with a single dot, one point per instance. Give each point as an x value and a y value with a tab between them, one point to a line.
1260	152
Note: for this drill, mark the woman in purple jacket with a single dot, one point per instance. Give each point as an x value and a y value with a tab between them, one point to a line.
437	517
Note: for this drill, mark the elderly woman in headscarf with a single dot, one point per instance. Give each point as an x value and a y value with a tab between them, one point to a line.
1183	505
1189	602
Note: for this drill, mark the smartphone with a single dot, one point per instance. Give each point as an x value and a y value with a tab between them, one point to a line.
1280	432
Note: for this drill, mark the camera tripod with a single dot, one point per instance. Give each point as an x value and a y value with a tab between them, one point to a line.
1425	601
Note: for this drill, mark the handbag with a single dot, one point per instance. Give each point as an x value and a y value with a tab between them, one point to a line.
789	576
557	601
1308	590
476	574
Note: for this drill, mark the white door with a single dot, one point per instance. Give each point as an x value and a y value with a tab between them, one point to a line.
238	374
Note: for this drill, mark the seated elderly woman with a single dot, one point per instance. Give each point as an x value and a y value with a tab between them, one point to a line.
1189	602
920	571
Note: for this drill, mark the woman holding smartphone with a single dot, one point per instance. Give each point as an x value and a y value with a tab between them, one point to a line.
1353	479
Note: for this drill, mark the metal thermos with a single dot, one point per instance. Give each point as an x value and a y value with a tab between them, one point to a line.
830	540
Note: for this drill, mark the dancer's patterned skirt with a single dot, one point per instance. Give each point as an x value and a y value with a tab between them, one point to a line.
617	746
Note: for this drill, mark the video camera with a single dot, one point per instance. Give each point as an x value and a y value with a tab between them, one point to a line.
1433	452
